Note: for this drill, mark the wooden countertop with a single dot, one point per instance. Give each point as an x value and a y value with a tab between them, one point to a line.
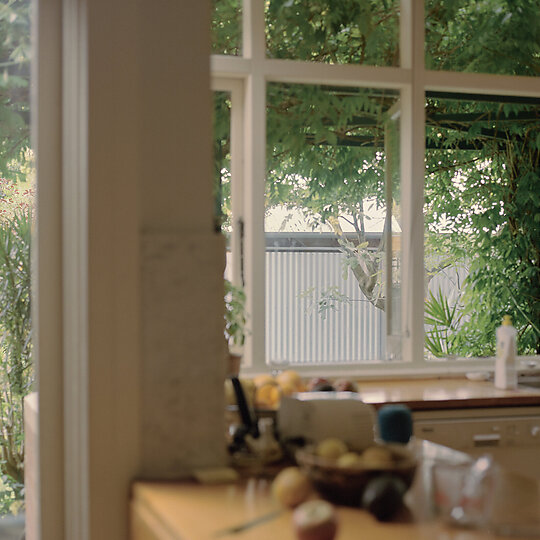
189	511
445	393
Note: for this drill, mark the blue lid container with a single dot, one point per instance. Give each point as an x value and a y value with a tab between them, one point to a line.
395	423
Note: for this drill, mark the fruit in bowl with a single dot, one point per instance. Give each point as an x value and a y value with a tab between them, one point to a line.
319	384
331	448
343	478
349	459
345	385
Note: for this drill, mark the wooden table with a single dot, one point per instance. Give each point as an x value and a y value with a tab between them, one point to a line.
190	511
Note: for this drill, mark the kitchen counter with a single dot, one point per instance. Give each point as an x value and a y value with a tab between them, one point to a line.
445	393
190	511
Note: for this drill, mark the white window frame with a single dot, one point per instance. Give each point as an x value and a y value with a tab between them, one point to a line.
246	77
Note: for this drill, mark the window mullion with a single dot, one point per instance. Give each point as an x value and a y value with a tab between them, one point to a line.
412	178
254	241
254	167
237	183
253	30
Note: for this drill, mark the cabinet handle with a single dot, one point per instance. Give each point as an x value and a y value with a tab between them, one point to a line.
491	439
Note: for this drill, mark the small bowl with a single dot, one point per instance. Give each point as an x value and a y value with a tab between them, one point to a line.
345	485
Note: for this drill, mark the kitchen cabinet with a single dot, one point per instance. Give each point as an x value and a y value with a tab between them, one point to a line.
510	434
472	416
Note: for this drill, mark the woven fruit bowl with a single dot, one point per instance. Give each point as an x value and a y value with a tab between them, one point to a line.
345	483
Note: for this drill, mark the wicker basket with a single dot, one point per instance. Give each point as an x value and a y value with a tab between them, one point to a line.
345	485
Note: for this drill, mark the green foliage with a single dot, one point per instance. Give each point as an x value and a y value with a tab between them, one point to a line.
327	300
443	321
490	36
235	314
226	27
16	371
326	150
11	496
482	203
14	80
330	31
16	195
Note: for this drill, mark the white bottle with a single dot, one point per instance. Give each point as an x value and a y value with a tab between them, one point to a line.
505	364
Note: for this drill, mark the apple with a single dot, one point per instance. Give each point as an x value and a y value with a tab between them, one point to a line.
317	381
315	520
345	385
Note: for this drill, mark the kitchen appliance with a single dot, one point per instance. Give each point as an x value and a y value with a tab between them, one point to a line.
314	416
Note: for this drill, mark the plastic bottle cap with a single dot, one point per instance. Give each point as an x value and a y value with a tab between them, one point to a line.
507	320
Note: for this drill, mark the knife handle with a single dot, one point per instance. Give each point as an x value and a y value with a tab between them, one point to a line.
245	414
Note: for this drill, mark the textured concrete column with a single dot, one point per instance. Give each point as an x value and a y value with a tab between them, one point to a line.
182	377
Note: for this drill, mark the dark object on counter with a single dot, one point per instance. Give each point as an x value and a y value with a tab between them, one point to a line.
345	385
249	424
317	382
395	423
323	387
383	496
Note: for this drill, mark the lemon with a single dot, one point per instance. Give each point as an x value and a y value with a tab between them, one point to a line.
377	456
291	487
331	448
350	459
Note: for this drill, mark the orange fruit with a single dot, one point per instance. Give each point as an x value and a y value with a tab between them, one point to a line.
264	378
268	396
289	377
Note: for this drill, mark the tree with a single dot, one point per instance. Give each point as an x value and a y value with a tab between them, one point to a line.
14	82
327	156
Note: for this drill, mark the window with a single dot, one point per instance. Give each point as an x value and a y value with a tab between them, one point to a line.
363	153
482	229
17	190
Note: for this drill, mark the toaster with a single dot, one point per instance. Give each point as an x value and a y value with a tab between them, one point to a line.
314	416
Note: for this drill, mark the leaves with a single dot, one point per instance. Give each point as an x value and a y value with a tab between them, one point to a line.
16	369
235	314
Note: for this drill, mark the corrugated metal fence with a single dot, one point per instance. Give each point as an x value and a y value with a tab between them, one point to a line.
347	331
297	333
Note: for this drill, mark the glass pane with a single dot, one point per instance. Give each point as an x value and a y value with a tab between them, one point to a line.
482	211
334	32
17	188
222	161
332	213
227	221
227	27
491	36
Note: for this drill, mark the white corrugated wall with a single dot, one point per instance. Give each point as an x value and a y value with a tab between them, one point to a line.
296	333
